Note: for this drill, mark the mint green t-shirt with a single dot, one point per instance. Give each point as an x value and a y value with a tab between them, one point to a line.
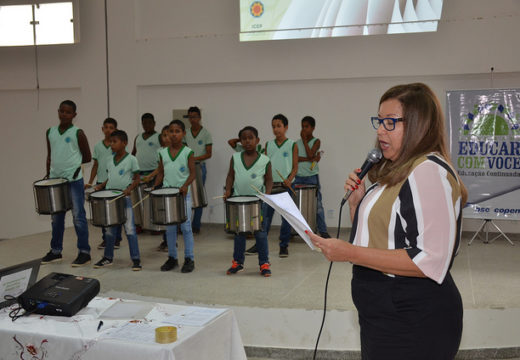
102	154
121	173
146	151
198	143
281	158
176	169
66	156
304	167
247	176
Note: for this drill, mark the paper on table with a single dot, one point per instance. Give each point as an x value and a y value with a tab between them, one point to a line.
127	310
132	332
194	316
285	206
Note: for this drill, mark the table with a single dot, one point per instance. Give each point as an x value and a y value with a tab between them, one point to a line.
52	337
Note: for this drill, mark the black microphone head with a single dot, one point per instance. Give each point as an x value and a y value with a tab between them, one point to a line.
374	156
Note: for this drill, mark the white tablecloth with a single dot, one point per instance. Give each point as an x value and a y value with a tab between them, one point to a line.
51	337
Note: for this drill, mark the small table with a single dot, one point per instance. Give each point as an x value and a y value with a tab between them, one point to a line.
52	337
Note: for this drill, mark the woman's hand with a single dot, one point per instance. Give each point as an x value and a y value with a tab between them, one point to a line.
332	249
357	186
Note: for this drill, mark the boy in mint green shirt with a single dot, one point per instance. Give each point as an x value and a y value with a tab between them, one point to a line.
177	170
247	169
123	174
102	155
308	168
283	153
67	149
198	138
146	145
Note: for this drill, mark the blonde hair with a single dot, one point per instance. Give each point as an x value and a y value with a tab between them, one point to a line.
424	132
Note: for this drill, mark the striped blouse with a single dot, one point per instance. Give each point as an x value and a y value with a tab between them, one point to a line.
421	214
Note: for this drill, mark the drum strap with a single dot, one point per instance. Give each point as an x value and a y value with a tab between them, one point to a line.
76	172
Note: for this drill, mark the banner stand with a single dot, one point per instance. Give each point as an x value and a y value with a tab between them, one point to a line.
485	227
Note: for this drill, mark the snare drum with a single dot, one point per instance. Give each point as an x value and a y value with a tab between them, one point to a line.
168	206
243	215
107	208
52	196
137	196
88	192
146	218
278	187
198	192
306	199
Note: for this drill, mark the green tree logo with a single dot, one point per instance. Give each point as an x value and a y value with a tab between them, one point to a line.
490	120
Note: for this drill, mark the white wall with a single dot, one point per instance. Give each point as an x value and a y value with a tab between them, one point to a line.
172	54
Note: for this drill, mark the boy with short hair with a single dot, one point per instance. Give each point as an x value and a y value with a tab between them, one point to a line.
146	145
199	140
247	168
283	153
165	143
102	155
177	170
237	146
308	169
67	149
145	150
123	174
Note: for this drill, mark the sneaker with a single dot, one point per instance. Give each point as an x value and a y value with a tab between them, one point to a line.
325	235
170	264
101	245
265	270
235	268
284	252
252	250
104	262
136	265
163	246
81	260
188	266
117	244
50	257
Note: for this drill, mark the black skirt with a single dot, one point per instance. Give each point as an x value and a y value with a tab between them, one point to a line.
406	318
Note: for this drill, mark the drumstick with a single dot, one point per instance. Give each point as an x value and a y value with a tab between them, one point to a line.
140	201
314	162
219	197
255	188
114	199
280	175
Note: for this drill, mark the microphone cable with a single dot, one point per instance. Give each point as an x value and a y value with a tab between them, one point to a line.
327	286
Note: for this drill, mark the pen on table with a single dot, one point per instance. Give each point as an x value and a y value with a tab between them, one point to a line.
100	325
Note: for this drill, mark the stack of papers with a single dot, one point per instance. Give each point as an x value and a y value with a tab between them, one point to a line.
285	206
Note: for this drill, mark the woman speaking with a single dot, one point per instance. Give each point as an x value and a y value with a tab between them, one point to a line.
406	230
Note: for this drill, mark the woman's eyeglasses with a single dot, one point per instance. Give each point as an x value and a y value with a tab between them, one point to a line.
388	123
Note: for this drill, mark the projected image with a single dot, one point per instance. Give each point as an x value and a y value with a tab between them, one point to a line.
299	19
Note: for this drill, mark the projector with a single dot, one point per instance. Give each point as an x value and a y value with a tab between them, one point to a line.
59	294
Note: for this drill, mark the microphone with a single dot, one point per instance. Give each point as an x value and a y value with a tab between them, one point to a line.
373	157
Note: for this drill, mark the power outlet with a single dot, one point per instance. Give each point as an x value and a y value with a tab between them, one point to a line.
330	214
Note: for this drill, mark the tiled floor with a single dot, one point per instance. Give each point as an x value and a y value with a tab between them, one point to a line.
488	277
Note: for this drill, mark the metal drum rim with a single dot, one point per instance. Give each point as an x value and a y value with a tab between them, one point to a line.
43	186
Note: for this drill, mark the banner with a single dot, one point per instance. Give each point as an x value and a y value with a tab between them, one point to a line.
484	128
302	19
